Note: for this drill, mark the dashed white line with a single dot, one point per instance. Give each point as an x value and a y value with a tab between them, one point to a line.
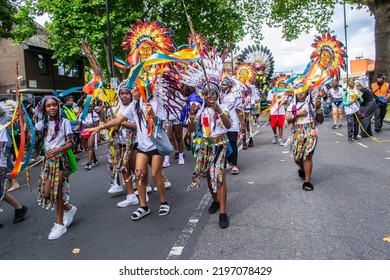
364	146
337	133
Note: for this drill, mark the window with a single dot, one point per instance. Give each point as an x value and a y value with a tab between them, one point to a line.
42	64
69	71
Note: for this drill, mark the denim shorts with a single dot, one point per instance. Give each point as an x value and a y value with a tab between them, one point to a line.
337	104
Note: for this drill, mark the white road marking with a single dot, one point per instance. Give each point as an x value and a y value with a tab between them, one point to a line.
364	146
181	242
337	133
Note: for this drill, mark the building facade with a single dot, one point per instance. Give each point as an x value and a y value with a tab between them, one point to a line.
39	73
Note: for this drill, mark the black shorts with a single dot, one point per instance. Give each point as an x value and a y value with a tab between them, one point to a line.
150	153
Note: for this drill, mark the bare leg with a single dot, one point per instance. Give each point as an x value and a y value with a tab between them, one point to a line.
158	177
12	201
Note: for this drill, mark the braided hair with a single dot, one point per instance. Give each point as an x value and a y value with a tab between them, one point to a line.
44	116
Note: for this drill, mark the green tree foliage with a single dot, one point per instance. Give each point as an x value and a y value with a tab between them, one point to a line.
70	21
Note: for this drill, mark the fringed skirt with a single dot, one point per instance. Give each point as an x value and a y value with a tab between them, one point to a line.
210	157
51	172
121	153
303	140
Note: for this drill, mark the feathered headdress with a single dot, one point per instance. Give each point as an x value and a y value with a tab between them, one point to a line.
245	73
260	57
152	33
194	76
329	54
279	80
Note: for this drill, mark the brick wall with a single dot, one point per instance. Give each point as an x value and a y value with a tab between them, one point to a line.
9	54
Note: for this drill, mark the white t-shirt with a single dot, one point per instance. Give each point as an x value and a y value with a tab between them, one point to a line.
354	105
3	139
233	103
60	140
144	143
216	126
176	107
336	93
90	120
122	131
276	108
303	106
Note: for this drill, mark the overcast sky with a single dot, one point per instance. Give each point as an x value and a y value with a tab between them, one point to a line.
295	55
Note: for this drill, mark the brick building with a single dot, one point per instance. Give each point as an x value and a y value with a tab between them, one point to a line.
39	73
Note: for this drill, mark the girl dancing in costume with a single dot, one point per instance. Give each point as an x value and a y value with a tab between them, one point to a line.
53	183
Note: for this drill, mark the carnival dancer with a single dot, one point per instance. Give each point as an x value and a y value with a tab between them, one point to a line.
53	183
351	101
211	124
231	98
6	115
124	149
304	115
144	115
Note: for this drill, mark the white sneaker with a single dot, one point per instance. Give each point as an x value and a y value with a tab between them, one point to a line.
167	185
281	142
181	159
148	189
131	199
166	164
57	231
274	139
69	215
115	188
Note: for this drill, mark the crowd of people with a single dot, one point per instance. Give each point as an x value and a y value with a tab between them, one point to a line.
194	103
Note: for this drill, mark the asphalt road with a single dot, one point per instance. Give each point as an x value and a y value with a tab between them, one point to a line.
345	217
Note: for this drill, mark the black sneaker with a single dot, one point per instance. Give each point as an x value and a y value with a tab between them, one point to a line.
377	130
356	138
334	126
213	207
19	214
223	220
176	156
340	126
349	139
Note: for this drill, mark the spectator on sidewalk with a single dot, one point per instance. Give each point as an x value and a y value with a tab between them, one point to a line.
351	102
381	90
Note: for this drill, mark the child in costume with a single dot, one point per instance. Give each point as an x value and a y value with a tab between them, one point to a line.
304	115
124	148
211	123
53	183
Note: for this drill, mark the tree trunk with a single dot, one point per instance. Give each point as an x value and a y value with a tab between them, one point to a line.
381	12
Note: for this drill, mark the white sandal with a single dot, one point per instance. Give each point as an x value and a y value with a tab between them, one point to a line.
164	209
139	214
